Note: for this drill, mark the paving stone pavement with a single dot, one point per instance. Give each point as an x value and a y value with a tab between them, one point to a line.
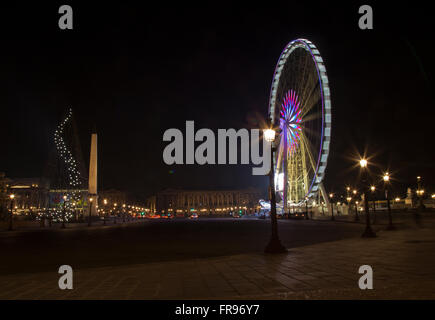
403	265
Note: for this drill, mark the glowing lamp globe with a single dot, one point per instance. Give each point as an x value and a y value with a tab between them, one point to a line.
269	135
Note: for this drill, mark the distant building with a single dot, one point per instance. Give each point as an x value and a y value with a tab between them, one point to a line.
150	204
205	202
31	194
112	196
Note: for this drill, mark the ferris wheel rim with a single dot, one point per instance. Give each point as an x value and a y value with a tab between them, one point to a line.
325	136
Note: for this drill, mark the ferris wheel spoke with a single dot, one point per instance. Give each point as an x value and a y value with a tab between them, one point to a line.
310	101
308	149
311	117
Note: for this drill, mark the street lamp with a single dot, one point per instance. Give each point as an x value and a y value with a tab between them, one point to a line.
420	193
123	213
368	233
115	213
11	217
373	189
306	208
356	206
331	196
274	245
63	212
386	178
90	209
74	210
105	211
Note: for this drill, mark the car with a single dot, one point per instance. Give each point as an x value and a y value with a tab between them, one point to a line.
236	215
193	216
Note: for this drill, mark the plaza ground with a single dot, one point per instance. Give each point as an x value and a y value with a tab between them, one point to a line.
220	258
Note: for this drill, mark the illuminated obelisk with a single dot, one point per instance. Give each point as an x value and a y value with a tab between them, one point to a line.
93	174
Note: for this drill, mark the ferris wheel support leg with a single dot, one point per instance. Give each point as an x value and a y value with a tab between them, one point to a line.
325	196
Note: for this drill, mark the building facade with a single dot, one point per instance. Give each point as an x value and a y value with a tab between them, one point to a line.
205	202
31	195
112	196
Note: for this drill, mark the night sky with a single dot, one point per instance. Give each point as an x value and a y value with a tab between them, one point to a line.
135	71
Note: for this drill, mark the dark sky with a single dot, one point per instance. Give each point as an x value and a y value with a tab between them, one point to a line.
136	71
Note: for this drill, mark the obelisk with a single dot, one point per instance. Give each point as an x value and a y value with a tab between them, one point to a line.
93	174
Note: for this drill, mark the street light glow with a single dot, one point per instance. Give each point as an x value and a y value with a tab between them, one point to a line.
269	135
12	196
386	177
373	188
363	163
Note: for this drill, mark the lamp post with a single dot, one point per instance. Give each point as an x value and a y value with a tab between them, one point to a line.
274	245
356	206
331	197
306	208
11	216
105	211
356	211
420	193
373	189
50	217
368	233
90	210
74	211
63	212
115	213
123	212
386	178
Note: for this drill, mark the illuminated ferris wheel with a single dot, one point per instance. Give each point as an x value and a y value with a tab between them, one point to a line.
300	108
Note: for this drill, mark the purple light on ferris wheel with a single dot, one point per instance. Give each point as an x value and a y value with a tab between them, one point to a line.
290	118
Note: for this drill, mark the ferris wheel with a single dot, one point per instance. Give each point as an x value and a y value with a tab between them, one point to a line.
300	110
